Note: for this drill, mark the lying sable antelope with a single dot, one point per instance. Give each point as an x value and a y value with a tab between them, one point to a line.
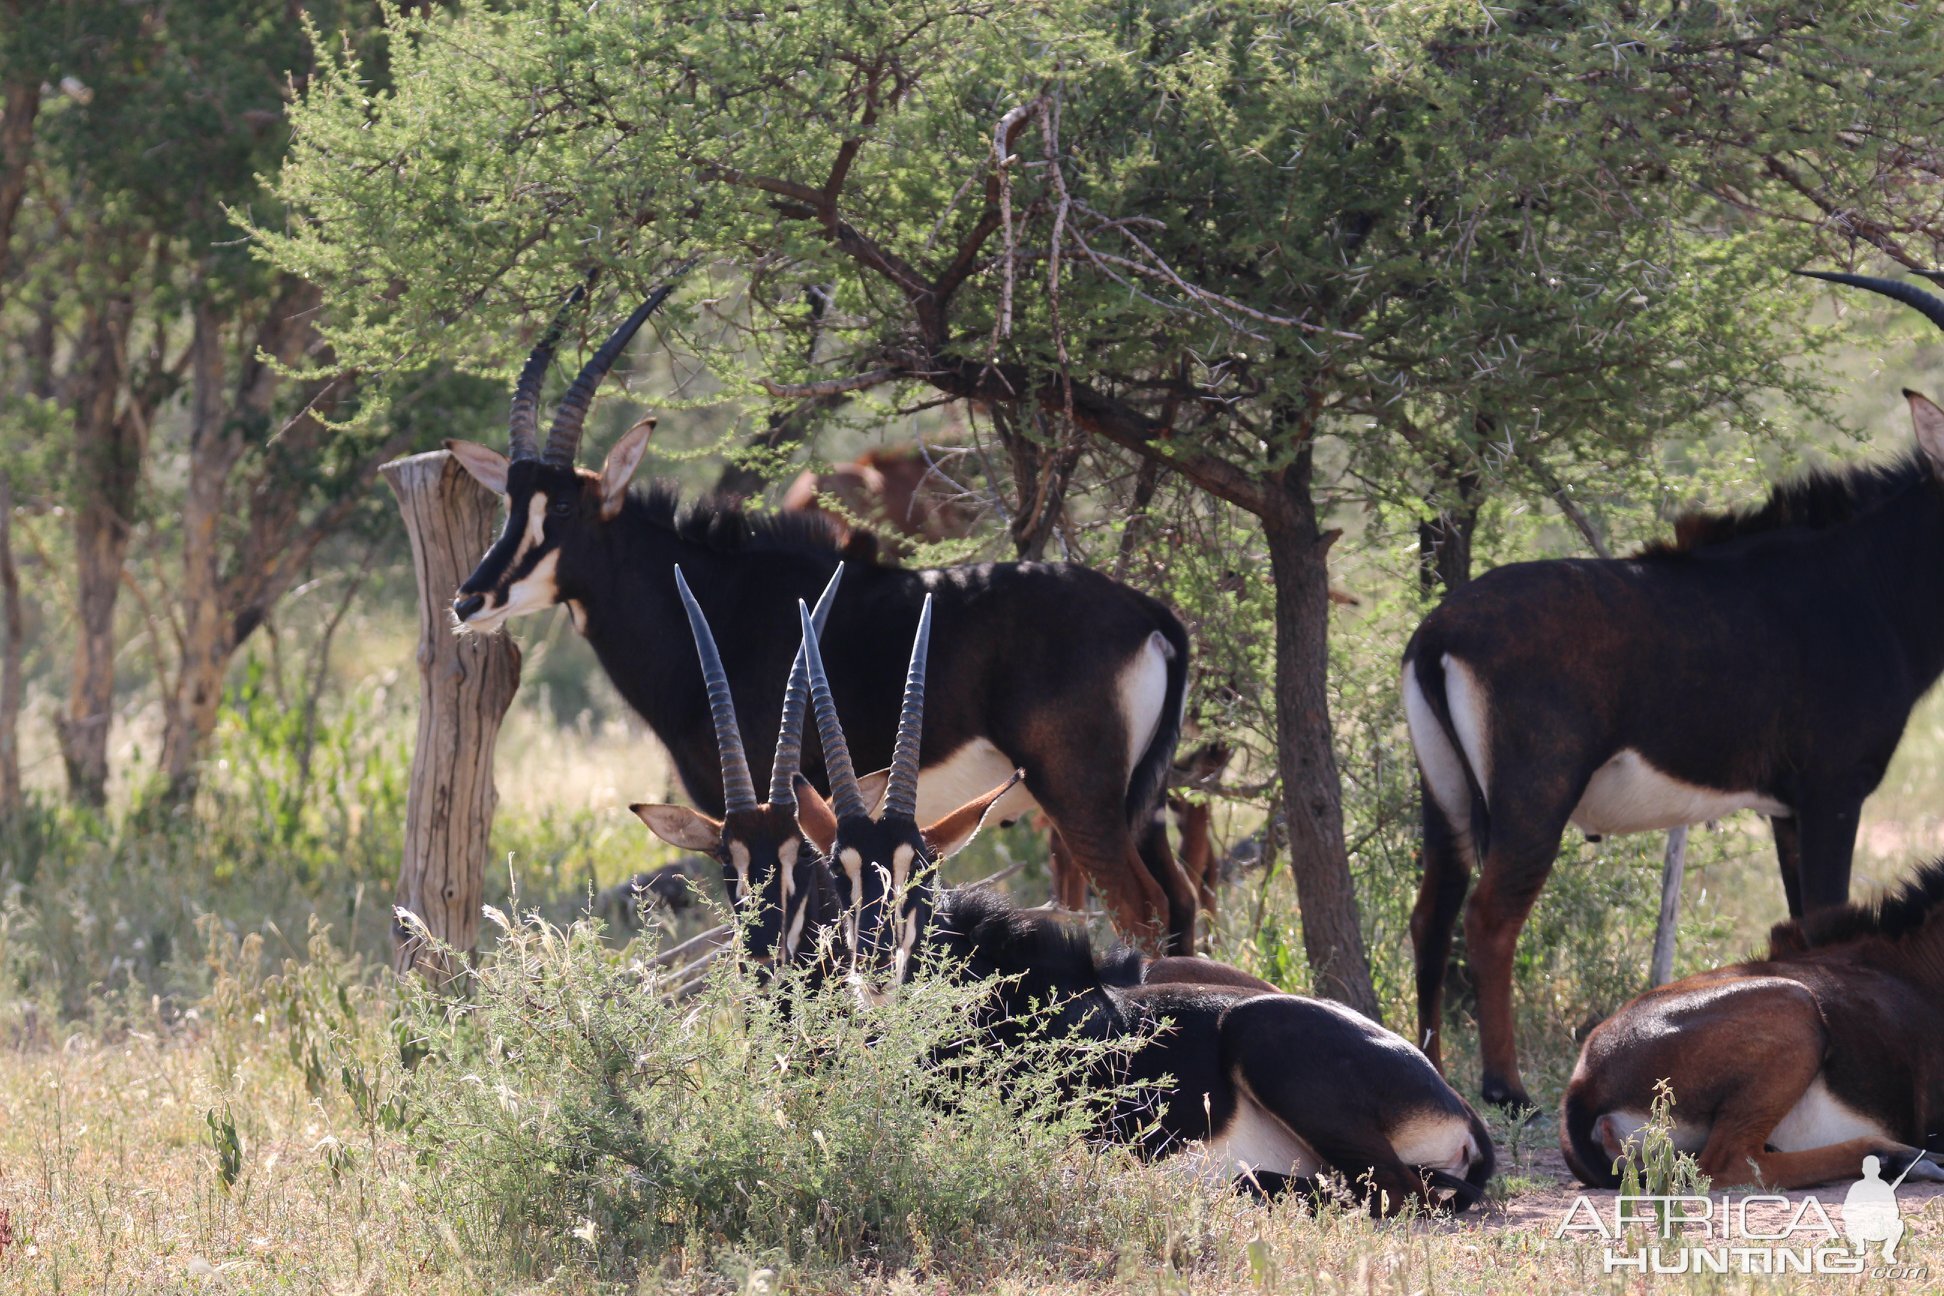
768	872
1055	669
1765	659
1268	1090
1786	1071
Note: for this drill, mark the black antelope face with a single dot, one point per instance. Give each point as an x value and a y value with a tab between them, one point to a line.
885	874
551	513
773	879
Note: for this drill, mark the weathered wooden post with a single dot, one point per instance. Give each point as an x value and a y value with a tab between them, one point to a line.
466	683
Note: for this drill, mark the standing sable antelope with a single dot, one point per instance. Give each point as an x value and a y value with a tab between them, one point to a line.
1765	659
1055	669
1789	1070
1266	1090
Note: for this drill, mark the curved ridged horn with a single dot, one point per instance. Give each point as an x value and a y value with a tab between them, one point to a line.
1908	294
789	738
901	793
738	789
563	439
524	418
849	798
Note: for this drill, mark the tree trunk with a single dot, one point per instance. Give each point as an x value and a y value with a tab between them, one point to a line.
212	629
466	683
109	443
1305	745
1445	538
1040	476
21	103
11	649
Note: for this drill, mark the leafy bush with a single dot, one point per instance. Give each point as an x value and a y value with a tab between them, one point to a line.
574	1112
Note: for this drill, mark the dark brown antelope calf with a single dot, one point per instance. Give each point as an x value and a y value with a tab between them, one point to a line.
1786	1071
1270	1091
1054	668
1766	660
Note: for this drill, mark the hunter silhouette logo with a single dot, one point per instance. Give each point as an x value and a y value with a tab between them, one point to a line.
1870	1211
1760	1233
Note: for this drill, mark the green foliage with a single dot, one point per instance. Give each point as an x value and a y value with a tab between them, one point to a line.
576	1113
1651	1165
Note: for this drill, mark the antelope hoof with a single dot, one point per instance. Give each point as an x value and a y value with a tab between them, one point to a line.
1511	1099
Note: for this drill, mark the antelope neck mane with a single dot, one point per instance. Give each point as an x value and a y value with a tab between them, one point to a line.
1910	918
1816	501
727	526
985	926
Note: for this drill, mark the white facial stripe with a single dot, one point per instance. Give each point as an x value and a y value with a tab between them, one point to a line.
536	524
900	867
854	870
739	861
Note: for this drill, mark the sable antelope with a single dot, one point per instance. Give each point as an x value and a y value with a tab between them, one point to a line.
1055	669
766	870
1266	1090
895	491
1786	1071
1765	659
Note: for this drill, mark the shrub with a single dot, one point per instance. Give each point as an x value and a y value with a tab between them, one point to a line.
573	1112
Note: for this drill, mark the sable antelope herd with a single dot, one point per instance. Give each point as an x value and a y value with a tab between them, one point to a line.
1766	659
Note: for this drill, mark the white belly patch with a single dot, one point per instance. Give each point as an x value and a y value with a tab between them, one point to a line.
1629	795
1253	1140
1819	1119
973	770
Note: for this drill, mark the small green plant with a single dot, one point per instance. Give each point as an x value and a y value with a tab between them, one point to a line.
228	1145
1651	1165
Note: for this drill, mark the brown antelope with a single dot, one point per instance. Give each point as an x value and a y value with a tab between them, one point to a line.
1054	668
1786	1071
1269	1091
894	492
1766	659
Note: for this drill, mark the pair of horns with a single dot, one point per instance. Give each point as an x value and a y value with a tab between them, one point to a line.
1930	306
901	793
563	439
738	789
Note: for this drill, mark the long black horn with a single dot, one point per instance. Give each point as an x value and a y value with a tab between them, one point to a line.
789	739
837	761
901	793
524	419
563	439
1908	294
738	790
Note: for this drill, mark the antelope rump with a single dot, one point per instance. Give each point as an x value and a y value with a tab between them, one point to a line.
1054	668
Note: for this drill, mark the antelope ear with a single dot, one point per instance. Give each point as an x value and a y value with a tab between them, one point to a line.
620	467
872	786
949	835
487	467
682	826
814	816
1929	420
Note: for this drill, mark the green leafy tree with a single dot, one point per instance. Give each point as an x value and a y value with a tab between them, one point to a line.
213	442
1263	247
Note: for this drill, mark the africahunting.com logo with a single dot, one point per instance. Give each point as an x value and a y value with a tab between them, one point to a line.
1760	1233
